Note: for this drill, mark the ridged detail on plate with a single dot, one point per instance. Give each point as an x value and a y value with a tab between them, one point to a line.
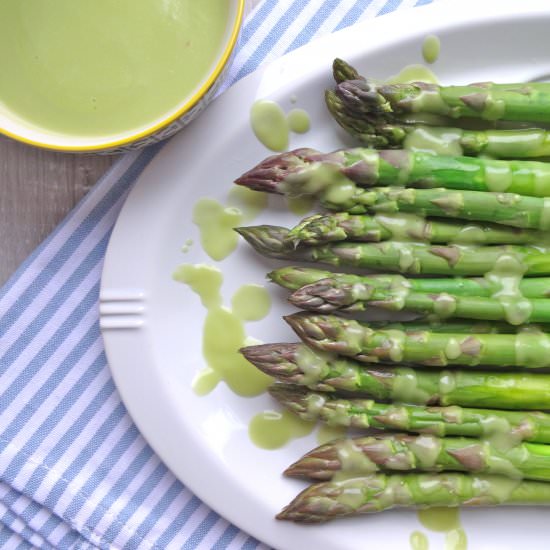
122	308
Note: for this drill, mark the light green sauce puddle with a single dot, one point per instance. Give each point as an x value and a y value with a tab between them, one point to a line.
204	280
216	223
223	332
443	520
430	48
273	429
298	121
269	124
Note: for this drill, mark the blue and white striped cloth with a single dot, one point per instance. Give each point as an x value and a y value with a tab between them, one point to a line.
74	470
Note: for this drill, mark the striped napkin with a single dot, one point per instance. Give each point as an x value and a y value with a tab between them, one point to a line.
74	470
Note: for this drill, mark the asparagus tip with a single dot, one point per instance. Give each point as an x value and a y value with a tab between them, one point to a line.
273	359
270	174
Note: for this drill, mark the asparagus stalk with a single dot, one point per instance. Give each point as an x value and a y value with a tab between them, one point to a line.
297	364
293	278
357	340
342	226
412	258
502	427
424	453
502	208
487	101
304	171
328	295
377	492
374	130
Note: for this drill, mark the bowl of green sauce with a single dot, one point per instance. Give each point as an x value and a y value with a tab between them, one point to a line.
110	75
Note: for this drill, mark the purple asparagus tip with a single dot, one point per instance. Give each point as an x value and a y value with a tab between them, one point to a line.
269	175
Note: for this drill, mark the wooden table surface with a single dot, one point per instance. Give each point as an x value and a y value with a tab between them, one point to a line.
37	190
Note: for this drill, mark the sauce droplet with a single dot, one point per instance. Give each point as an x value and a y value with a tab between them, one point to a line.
269	124
273	429
440	519
430	48
298	121
419	541
187	245
456	540
251	302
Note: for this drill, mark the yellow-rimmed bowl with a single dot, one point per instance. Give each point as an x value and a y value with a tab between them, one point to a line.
145	132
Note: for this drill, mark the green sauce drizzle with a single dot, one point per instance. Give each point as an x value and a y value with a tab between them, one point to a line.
273	429
442	141
430	48
444	520
269	124
327	433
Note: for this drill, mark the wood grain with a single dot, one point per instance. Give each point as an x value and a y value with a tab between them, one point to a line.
37	190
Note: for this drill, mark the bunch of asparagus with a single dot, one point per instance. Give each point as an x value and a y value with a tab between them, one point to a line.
456	396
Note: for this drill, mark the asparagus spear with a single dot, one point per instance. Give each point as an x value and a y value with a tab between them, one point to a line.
374	130
487	101
502	427
377	492
354	339
298	364
341	226
304	171
328	295
413	258
502	208
293	278
424	453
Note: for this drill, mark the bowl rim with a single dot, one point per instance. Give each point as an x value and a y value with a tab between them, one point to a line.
149	131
